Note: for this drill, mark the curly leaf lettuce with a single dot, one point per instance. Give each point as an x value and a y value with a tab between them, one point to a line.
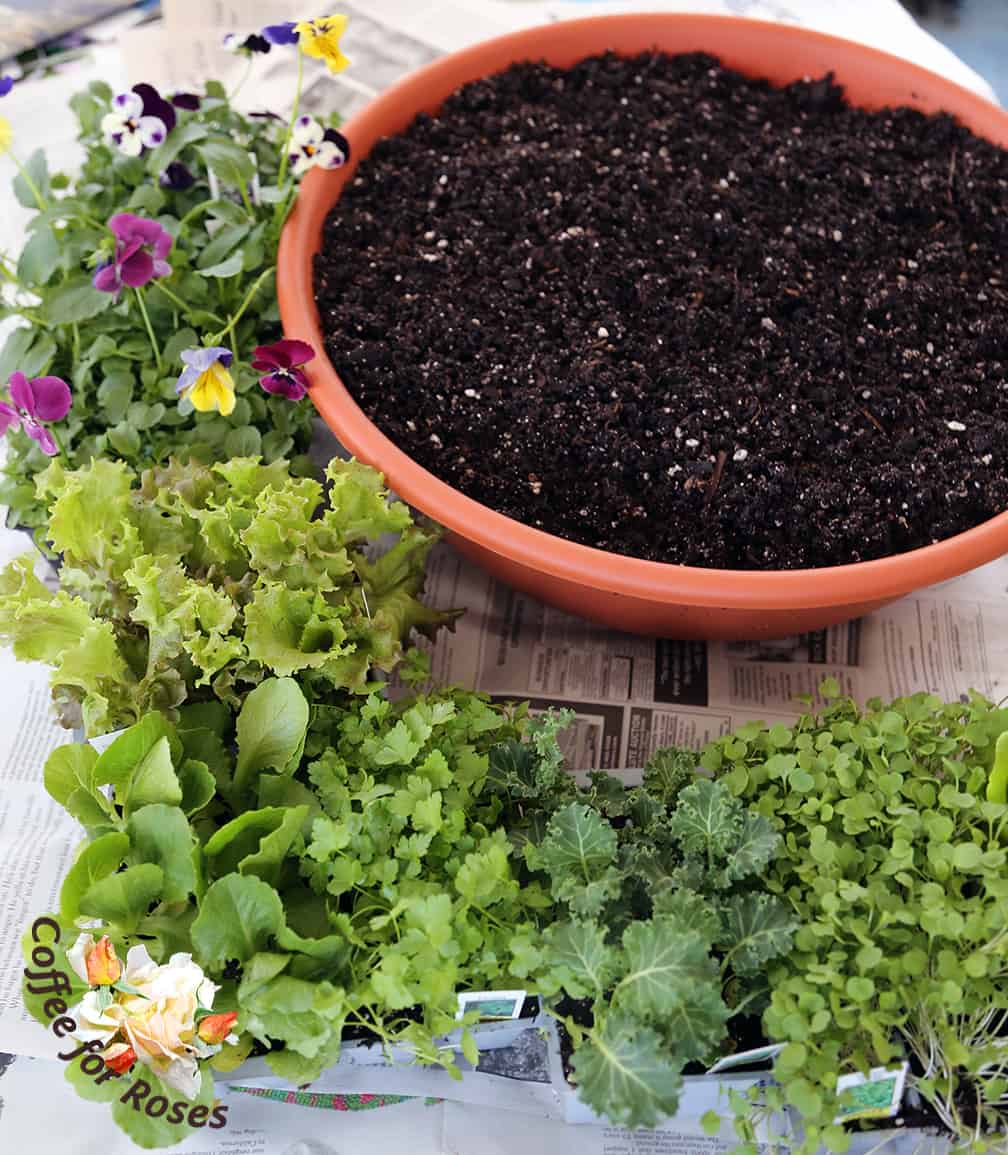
83	651
193	581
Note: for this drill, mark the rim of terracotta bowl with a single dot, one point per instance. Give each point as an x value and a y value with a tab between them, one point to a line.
739	43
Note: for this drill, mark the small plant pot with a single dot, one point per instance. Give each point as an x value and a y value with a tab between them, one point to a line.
629	593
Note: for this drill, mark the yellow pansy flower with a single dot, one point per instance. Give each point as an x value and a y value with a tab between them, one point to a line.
205	382
320	38
6	135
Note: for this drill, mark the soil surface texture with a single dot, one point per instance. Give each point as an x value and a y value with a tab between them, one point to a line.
656	307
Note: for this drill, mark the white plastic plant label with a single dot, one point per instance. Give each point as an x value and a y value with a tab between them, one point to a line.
875	1096
102	742
491	1005
747	1058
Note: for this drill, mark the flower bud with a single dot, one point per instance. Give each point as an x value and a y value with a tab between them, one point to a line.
103	967
216	1028
119	1057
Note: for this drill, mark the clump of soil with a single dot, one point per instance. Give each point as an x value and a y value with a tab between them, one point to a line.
653	306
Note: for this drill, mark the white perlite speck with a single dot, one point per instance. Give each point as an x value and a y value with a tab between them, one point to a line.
956	426
691	443
603	331
740	455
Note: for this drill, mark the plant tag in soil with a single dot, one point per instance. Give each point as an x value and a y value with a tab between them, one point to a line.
102	742
491	1004
877	1096
747	1058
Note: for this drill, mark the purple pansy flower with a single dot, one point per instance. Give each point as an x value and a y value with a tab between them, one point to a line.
6	84
187	100
177	176
140	251
35	400
285	33
140	118
279	363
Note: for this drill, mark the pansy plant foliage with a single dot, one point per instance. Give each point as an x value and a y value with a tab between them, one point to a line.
165	243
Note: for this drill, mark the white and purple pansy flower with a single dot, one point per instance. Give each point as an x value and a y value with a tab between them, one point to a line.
246	43
140	118
312	146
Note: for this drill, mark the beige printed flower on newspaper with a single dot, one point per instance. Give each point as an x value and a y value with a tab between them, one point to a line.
151	1011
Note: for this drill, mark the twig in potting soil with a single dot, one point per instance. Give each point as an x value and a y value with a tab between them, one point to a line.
878	425
715	480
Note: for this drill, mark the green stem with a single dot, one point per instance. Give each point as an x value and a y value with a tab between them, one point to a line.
286	183
195	211
232	321
489	917
295	108
150	330
59	444
175	299
32	186
243	189
78	215
75	329
284	207
241	83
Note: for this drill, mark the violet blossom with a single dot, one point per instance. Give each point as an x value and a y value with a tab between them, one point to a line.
280	365
177	176
140	251
35	400
285	33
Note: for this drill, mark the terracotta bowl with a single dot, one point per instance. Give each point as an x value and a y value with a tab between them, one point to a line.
629	593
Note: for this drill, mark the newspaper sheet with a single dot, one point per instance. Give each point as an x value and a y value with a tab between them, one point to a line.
630	694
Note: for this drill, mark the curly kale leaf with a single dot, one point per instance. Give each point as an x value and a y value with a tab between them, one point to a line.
707	821
579	847
664	967
669	771
627	1072
757	929
580	959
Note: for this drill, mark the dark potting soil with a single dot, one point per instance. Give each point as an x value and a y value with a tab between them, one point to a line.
654	306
